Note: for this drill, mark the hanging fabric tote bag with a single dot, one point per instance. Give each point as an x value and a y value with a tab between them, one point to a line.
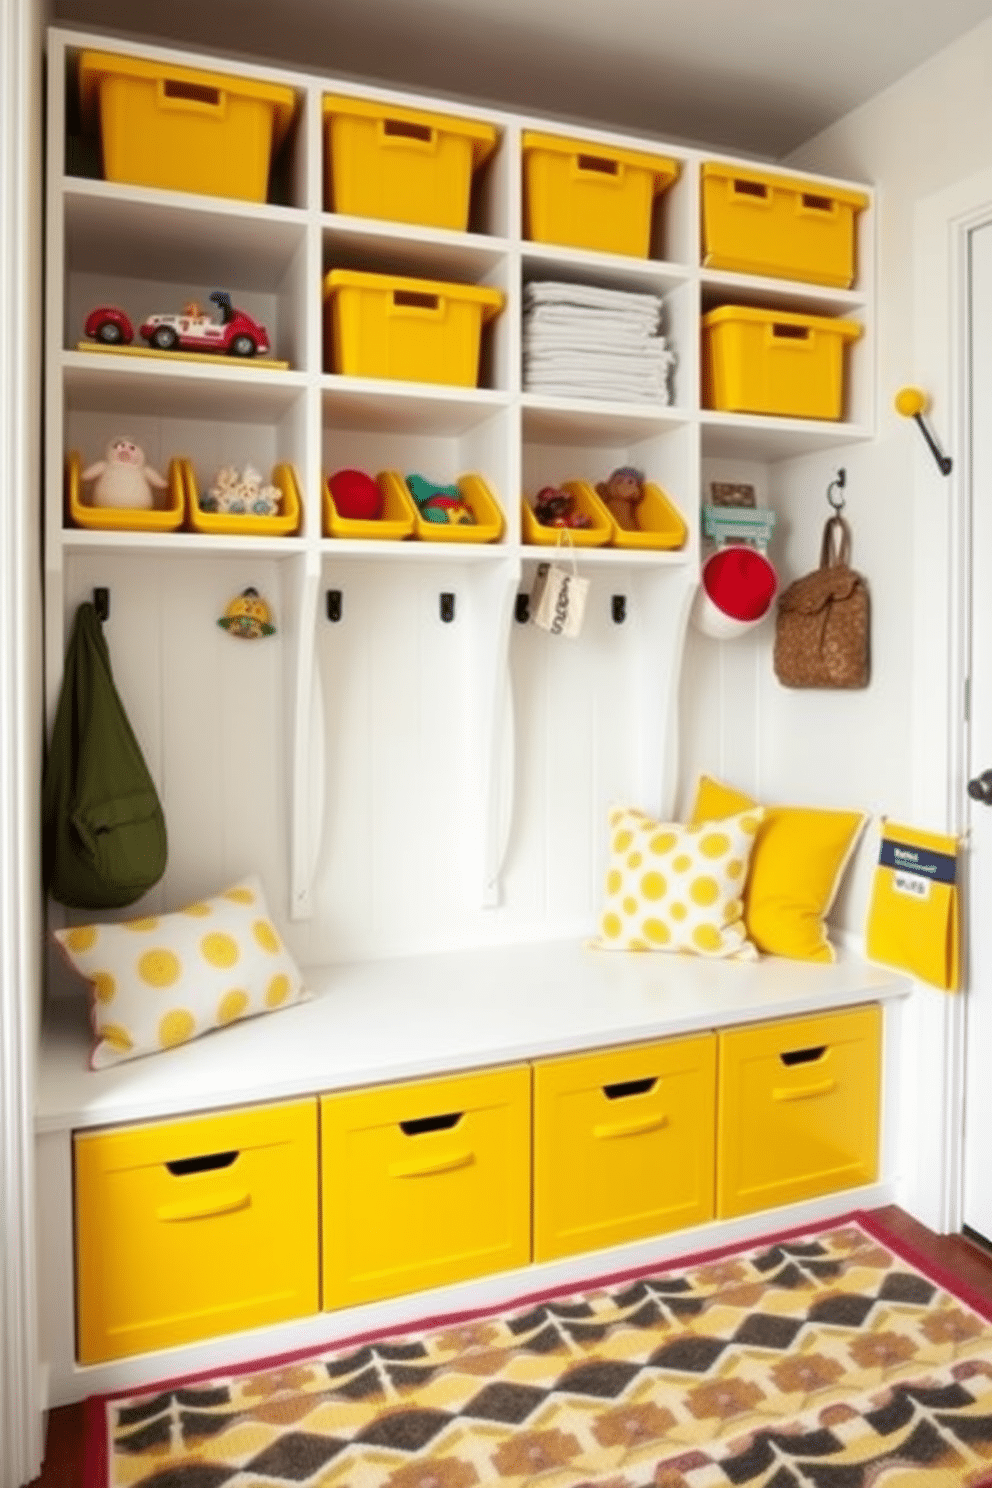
822	625
103	831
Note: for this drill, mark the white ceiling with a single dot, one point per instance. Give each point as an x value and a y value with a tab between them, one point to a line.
759	76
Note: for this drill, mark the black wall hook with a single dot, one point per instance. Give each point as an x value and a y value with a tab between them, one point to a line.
101	603
335	605
839	482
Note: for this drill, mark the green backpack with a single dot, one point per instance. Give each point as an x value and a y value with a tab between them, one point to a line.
103	831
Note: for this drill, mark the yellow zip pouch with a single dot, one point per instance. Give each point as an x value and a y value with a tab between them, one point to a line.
913	910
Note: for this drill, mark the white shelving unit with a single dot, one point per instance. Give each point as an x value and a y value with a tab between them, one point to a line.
408	785
279	760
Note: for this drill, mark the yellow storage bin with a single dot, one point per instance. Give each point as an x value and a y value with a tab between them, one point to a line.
420	330
80	513
588	504
777	362
488	524
798	1109
623	1144
661	524
193	1228
285	522
757	223
424	1183
182	129
397	520
402	164
584	195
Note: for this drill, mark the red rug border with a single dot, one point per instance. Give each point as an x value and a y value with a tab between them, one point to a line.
95	1463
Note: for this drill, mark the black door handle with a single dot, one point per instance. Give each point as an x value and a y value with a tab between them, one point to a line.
980	789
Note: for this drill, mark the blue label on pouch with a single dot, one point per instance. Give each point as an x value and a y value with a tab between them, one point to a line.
935	866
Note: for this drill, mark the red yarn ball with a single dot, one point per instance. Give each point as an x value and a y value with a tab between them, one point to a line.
356	495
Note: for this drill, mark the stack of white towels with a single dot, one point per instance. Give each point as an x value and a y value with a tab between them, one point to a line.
583	342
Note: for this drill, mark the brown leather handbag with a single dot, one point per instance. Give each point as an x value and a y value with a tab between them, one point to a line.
823	620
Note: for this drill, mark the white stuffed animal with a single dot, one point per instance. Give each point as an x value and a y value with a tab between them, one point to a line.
121	478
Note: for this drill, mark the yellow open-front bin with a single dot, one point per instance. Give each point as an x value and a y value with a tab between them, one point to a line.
660	524
587	504
282	524
402	164
395	524
584	195
776	362
476	496
160	518
755	222
182	129
416	330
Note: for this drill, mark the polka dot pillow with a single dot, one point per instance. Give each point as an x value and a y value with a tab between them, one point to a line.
165	979
675	888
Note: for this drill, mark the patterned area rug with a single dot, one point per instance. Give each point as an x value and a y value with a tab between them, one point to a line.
817	1360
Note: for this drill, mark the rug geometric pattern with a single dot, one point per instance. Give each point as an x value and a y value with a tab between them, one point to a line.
821	1361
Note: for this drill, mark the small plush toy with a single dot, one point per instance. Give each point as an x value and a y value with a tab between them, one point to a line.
556	508
440	504
622	494
243	495
121	478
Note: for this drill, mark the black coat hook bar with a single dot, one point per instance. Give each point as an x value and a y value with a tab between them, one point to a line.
913	403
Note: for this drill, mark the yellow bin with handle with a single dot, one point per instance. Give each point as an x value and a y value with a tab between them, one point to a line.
584	195
182	129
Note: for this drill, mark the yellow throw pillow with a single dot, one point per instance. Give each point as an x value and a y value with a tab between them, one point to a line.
670	887
162	980
799	859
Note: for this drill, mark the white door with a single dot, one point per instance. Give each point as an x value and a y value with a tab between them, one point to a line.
977	1197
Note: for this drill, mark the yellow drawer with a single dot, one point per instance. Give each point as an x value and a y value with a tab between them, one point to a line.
424	1183
192	1228
623	1144
798	1109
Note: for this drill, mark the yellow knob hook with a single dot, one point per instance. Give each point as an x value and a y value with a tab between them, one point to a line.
913	403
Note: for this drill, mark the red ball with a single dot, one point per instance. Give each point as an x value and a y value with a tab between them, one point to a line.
356	495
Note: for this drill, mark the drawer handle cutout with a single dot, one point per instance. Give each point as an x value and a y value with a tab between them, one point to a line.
229	1203
608	1130
804	1056
208	1162
750	188
400	129
598	163
428	1167
785	332
622	1088
804	1092
191	92
431	1123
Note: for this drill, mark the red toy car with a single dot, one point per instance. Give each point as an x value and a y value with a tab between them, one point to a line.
234	333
